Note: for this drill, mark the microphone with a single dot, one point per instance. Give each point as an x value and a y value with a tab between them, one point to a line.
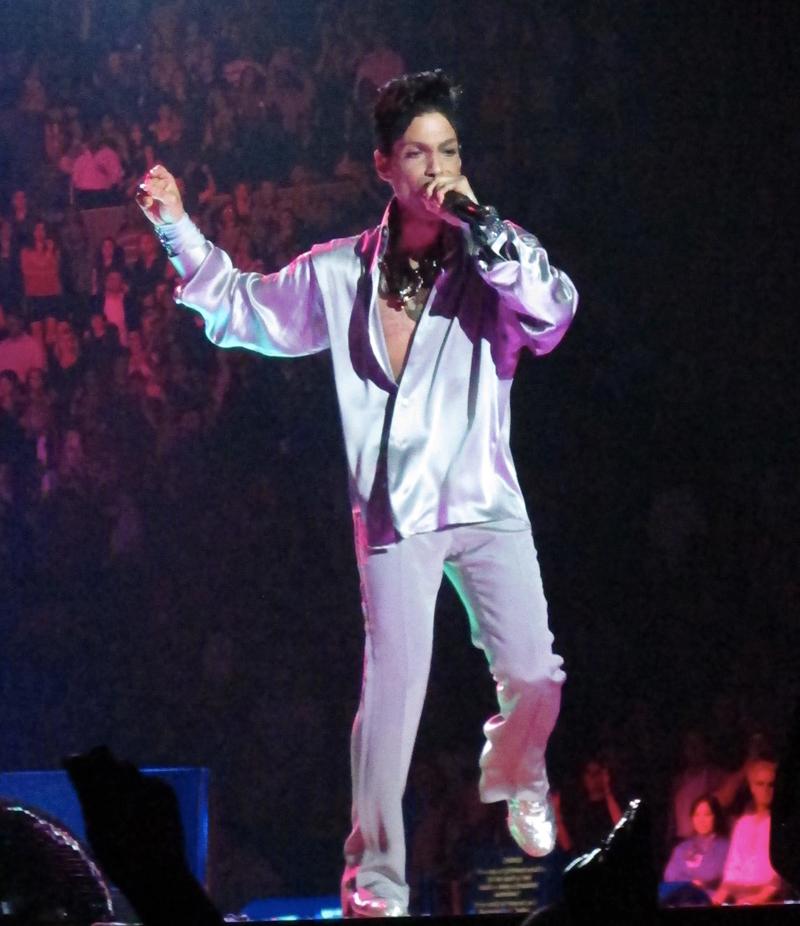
462	207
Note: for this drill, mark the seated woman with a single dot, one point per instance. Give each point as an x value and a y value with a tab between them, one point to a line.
696	865
749	878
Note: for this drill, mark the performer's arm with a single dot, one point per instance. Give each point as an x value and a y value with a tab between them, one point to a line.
514	263
280	314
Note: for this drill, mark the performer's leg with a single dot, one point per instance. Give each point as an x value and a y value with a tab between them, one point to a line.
399	584
497	575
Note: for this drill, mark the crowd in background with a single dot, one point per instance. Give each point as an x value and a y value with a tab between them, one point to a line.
174	539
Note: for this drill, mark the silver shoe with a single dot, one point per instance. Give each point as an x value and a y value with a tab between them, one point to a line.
363	904
532	825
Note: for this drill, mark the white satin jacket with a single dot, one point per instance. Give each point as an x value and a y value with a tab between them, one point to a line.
431	450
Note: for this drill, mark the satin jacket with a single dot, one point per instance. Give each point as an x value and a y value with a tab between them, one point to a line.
432	449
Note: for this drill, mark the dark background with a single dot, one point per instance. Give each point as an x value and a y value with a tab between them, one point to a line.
656	448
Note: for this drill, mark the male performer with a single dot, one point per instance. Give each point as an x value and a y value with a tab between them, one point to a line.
425	317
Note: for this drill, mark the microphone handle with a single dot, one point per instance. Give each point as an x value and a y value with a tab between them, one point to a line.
462	207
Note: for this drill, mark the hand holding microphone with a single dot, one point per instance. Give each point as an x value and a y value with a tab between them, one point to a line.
451	198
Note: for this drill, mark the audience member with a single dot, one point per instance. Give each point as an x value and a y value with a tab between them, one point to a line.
749	878
76	268
9	270
115	307
378	65
699	859
586	813
102	340
10	393
65	367
20	351
110	256
95	172
40	262
698	775
22	221
149	267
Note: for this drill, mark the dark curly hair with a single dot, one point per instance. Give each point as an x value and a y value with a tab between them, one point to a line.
401	100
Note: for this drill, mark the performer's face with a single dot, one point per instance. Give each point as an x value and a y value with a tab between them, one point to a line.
427	149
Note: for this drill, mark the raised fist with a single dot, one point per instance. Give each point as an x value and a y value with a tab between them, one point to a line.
159	196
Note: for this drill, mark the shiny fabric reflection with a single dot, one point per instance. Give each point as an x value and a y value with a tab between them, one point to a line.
432	450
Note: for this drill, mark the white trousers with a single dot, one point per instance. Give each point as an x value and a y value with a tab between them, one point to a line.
495	570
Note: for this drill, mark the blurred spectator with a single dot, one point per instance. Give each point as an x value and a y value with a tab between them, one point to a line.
148	268
251	96
114	82
167	133
232	234
76	264
10	393
379	65
116	307
40	262
22	221
199	187
137	142
20	352
138	362
18	233
102	341
72	459
698	775
65	364
110	257
34	96
95	172
291	90
9	271
114	137
586	813
128	237
143	159
749	877
243	204
245	258
699	859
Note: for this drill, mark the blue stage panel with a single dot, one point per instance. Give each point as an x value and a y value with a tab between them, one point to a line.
53	794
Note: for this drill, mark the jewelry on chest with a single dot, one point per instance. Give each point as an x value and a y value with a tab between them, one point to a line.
405	284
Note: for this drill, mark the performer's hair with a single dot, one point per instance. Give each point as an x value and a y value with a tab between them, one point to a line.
404	98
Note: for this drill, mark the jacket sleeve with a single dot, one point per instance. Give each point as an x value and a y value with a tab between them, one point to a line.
542	298
279	314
